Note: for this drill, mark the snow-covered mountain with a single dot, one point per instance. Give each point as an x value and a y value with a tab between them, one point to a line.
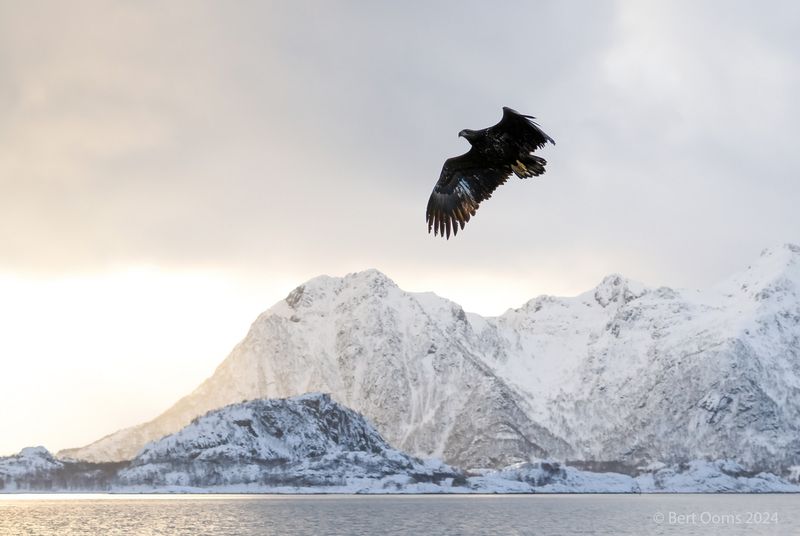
629	373
311	444
406	361
34	463
35	469
304	441
622	372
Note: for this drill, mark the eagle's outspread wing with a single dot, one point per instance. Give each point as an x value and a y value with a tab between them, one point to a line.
469	179
465	181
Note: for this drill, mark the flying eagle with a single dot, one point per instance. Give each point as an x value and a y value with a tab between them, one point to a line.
496	153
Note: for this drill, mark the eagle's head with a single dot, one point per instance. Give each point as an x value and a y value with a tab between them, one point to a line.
468	134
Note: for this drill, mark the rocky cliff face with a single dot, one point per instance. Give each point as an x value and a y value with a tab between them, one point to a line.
622	372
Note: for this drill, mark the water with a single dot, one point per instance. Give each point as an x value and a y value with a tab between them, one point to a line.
265	515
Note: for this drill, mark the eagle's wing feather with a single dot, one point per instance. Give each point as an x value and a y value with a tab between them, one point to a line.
465	181
522	130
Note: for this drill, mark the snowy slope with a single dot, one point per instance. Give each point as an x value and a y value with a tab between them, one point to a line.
406	361
621	372
675	375
303	441
30	461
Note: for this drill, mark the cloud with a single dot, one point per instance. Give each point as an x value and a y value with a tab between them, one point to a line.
276	137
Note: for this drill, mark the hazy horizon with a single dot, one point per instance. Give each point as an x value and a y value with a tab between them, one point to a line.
169	172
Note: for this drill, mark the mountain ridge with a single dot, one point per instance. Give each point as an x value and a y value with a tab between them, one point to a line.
556	377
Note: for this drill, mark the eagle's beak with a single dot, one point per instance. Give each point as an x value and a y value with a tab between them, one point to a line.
462	134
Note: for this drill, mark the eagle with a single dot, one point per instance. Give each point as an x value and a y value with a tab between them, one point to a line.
496	153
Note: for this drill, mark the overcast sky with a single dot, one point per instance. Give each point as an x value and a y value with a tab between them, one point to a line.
168	170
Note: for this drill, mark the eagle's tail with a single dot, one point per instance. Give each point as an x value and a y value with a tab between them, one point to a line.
529	166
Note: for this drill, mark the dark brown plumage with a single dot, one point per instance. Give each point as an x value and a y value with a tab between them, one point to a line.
469	179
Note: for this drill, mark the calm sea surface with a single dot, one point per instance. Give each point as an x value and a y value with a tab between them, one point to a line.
67	515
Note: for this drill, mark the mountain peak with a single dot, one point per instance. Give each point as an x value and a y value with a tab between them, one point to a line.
36	452
370	276
370	281
36	459
369	273
774	273
615	288
776	260
281	428
786	248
